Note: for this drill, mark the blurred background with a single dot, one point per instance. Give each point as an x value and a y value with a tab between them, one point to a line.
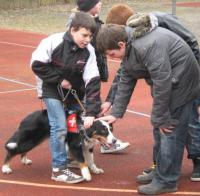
50	16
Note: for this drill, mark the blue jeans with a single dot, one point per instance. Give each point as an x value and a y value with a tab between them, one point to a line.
58	131
193	139
168	154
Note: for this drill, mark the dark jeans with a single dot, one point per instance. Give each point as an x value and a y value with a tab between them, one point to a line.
193	139
169	147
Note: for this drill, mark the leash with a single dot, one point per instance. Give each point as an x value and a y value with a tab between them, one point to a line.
81	128
73	92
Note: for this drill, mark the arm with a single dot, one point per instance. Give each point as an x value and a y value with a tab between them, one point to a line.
41	61
125	89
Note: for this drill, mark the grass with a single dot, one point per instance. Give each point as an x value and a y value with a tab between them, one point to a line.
50	19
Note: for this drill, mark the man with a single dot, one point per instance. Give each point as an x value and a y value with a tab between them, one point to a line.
63	61
170	22
168	65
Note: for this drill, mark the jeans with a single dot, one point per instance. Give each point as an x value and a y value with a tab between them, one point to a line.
58	131
193	141
169	147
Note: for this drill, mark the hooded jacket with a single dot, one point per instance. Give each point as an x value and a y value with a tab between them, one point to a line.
57	58
146	22
167	64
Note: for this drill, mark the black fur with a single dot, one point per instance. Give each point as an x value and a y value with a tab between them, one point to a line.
35	128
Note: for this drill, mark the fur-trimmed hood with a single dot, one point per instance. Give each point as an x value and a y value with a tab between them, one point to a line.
142	24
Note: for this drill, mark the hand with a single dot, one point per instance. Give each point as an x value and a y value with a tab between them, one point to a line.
66	84
105	107
110	119
167	130
88	121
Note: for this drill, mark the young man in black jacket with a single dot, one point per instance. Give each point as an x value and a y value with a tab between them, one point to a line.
93	7
168	65
61	62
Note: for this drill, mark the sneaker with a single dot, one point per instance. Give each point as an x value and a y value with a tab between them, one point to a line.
155	188
196	170
116	147
66	176
148	170
145	178
72	164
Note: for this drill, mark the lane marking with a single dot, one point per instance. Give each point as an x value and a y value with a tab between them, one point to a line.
85	188
67	186
15	44
14	91
17	82
138	113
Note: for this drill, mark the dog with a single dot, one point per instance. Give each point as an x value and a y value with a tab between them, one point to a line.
35	128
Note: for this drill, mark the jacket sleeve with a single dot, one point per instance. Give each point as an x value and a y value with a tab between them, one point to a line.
159	67
113	89
40	62
92	84
171	23
125	89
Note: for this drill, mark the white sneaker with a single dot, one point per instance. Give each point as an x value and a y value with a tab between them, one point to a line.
66	176
116	147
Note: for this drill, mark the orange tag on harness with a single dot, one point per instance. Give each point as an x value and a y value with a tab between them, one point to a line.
72	123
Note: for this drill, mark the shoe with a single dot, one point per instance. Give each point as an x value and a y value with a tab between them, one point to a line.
155	188
148	170
66	176
145	178
196	170
72	164
116	147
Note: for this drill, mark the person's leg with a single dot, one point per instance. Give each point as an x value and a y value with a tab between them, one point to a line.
170	155
58	132
148	174
193	142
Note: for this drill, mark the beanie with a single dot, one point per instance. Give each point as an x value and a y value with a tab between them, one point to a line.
86	5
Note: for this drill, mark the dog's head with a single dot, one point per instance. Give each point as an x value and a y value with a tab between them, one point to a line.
102	132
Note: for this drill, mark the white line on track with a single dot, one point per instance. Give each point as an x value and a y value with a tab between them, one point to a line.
85	188
15	44
20	90
17	82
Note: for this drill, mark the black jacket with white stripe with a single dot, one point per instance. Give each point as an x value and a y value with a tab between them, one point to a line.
57	58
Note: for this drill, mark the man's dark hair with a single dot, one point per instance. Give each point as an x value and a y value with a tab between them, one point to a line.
83	20
109	36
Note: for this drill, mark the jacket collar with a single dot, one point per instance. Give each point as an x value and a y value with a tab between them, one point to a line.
68	37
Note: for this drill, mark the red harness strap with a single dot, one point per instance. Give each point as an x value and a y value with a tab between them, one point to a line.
72	123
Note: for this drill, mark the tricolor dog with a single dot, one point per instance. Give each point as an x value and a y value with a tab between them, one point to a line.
35	128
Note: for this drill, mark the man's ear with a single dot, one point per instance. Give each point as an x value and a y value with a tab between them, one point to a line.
121	45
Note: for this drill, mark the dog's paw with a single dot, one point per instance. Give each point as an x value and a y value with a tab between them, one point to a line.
6	169
26	161
86	173
94	169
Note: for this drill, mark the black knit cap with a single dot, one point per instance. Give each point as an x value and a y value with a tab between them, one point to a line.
86	5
